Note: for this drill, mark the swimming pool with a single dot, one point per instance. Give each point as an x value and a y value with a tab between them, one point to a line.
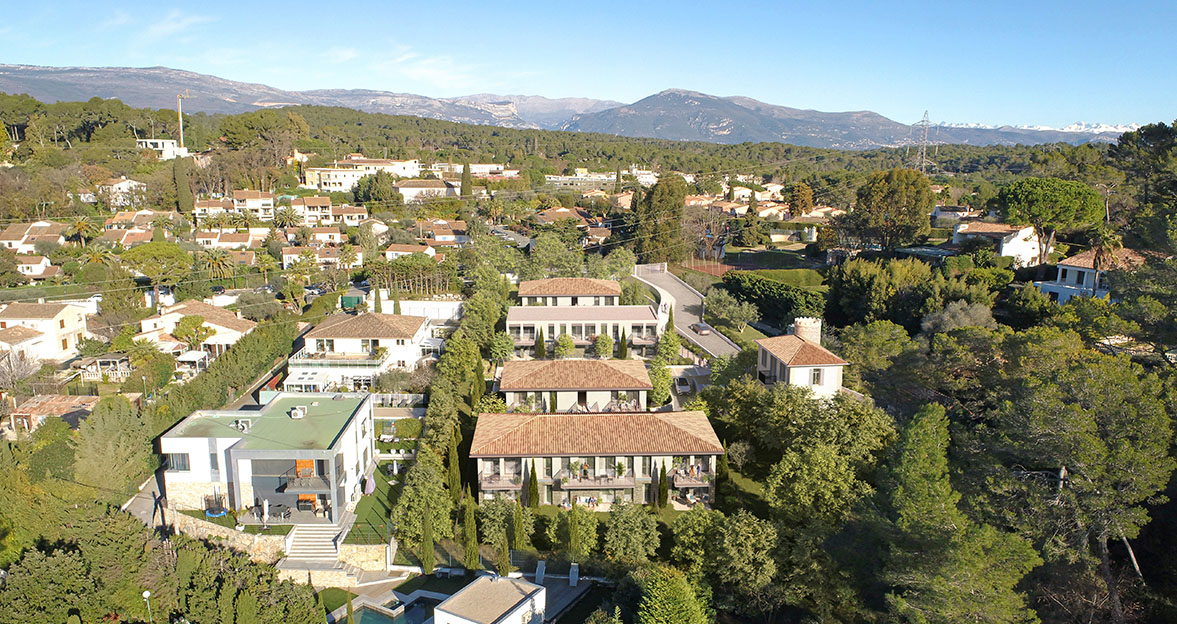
416	612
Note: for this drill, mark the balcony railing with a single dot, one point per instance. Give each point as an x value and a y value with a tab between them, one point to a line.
496	481
306	485
683	479
609	480
335	359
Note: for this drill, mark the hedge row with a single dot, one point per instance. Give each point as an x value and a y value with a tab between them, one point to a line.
779	303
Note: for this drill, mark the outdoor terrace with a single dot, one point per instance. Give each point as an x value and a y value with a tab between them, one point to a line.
334	359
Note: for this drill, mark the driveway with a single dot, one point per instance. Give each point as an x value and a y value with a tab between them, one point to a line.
688	309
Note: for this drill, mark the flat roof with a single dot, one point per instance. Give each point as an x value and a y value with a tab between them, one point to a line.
489	598
272	428
588	314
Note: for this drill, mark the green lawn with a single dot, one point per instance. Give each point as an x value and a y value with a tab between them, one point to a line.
373	511
747	494
230	522
448	585
801	278
773	259
333	598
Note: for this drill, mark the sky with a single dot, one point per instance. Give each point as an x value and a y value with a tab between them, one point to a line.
993	62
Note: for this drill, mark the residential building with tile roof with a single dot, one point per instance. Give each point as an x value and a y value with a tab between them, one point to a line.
346	351
609	457
570	291
641	324
798	359
228	327
61	326
1078	277
1015	241
575	385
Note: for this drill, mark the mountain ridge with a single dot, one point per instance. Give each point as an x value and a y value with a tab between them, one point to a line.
675	114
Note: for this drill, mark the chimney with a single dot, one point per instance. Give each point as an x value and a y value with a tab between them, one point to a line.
808	328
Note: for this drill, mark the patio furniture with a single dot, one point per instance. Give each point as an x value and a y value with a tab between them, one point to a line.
279	511
306	505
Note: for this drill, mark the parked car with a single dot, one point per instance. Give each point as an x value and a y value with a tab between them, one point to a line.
218	290
701	328
682	385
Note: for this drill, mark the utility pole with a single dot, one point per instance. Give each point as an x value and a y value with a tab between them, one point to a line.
179	112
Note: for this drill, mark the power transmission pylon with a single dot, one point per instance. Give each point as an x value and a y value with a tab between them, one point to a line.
922	163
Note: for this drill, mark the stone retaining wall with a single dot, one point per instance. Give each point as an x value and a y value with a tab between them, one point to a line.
372	558
260	548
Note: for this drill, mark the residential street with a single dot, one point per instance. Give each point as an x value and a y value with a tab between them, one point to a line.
688	309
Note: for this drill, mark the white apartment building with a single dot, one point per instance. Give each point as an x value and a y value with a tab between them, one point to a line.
477	170
42	331
799	359
641	324
342	175
575	385
165	149
257	203
570	291
347	351
307	452
23	237
420	190
607	458
36	268
312	210
1078	277
205	208
325	256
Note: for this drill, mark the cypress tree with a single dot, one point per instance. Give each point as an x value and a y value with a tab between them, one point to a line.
467	189
636	202
519	536
453	470
721	472
573	532
226	599
396	298
663	488
477	385
351	615
532	489
184	200
617	180
472	561
541	348
247	607
426	541
623	347
377	308
503	561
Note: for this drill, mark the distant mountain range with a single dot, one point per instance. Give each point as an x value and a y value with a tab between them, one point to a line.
673	114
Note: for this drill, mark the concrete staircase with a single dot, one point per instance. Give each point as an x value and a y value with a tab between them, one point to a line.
311	543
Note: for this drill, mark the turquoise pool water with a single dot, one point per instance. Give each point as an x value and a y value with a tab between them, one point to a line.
416	613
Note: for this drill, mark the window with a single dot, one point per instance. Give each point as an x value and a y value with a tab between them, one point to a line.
764	358
815	377
65	343
176	462
368	344
61	324
646	465
212	461
547	467
400	343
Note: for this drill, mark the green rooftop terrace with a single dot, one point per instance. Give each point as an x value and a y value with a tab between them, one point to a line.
272	428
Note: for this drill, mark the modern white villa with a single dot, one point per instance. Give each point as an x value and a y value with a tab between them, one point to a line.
345	351
798	358
301	453
596	458
1078	277
575	385
494	600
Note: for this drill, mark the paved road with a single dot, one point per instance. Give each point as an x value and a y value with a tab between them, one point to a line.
688	309
147	505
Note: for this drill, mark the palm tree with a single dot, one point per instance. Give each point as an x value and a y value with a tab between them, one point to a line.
163	223
1106	244
266	263
286	217
347	256
97	254
239	220
83	228
212	222
141	351
218	263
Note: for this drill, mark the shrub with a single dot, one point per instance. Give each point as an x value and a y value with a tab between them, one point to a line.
778	302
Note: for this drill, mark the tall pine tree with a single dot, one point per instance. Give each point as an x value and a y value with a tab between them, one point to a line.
467	189
943	566
470	532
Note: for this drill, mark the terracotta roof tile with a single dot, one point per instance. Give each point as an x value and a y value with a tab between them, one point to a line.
569	286
18	334
1125	258
212	315
653	433
794	350
32	310
369	325
545	375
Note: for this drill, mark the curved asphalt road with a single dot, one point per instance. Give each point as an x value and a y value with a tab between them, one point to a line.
688	309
